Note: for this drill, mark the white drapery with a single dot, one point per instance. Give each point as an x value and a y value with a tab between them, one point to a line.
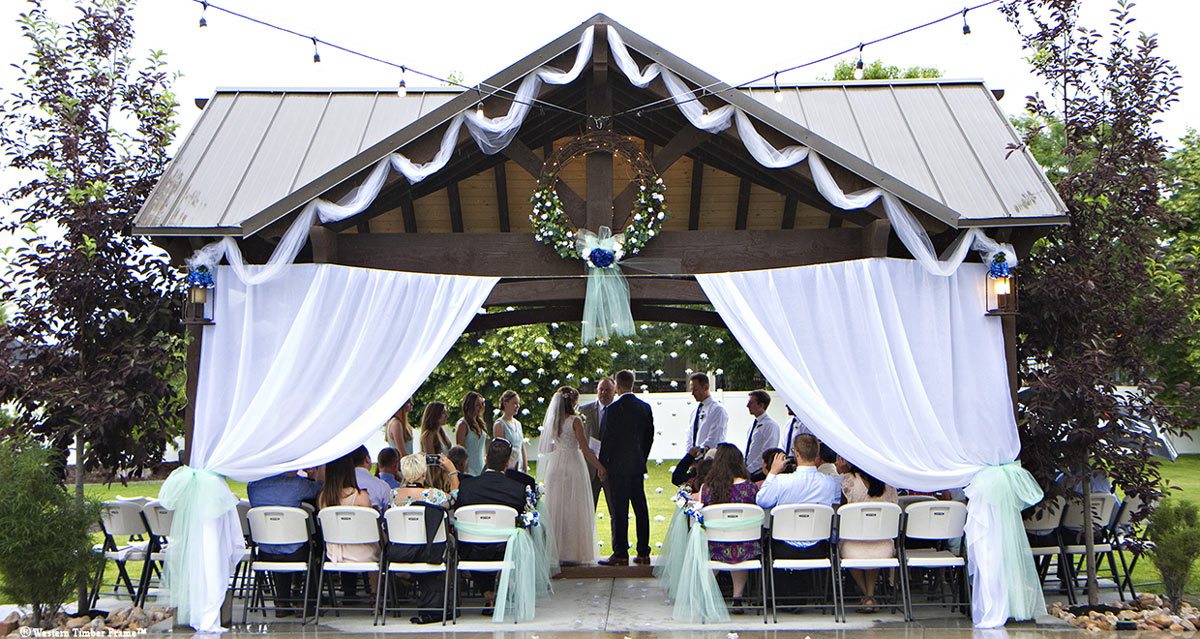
300	370
899	370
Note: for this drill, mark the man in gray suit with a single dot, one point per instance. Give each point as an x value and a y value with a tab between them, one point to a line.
592	413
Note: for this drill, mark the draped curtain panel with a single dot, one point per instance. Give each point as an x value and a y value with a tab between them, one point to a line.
901	371
297	371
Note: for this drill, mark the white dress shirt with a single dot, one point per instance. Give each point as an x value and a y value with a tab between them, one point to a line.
763	435
713	421
805	486
379	492
795	427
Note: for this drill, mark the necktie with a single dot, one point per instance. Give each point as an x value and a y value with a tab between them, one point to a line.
696	426
787	443
750	438
601	410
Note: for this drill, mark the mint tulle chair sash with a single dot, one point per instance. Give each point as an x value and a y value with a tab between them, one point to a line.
547	551
517	591
674	552
698	597
196	497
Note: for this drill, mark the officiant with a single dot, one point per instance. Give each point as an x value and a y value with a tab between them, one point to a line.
593	414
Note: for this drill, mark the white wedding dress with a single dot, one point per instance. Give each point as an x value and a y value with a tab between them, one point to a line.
568	496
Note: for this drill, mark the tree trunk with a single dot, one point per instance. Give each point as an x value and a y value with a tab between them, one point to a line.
82	590
1089	536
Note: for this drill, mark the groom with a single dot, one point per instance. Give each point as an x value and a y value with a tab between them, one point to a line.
628	427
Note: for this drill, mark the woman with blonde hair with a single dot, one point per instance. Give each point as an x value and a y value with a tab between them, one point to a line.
471	431
509	428
434	440
417	485
399	432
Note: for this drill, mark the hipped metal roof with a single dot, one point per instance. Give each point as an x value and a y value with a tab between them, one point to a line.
256	155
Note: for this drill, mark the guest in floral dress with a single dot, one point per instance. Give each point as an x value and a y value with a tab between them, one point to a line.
728	482
417	488
417	485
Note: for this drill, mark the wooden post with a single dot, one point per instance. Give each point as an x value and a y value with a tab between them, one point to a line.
600	165
1010	355
324	244
195	336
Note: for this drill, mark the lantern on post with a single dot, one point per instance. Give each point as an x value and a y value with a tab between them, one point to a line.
195	307
1001	286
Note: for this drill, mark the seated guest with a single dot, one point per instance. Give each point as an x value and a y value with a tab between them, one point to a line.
378	490
728	482
414	469
341	489
461	460
699	473
859	486
764	432
828	463
686	469
387	467
417	490
292	490
804	486
768	457
491	487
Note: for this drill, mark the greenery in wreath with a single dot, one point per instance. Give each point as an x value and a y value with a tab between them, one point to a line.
553	227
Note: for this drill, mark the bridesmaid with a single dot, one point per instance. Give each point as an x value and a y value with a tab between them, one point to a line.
434	440
509	428
399	432
471	431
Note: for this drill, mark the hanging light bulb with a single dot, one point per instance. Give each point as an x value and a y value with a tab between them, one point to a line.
316	54
203	10
966	27
858	66
402	89
706	111
778	93
479	110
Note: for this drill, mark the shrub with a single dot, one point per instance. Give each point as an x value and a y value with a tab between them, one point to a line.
1174	530
45	533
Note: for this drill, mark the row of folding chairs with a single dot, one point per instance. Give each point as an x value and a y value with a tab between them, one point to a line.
937	523
361	525
1047	525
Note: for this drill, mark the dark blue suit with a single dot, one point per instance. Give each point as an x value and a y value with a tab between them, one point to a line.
628	434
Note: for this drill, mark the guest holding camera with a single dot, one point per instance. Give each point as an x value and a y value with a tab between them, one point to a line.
418	486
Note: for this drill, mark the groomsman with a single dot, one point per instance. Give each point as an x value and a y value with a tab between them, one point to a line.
795	427
764	432
709	420
593	417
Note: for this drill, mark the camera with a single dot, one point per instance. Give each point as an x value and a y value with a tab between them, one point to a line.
433	460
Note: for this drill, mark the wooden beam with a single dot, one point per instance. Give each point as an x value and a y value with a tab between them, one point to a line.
324	244
599	165
363	226
528	160
574	312
685	140
456	219
408	211
835	221
501	177
875	238
516	254
743	204
192	383
789	212
697	190
513	292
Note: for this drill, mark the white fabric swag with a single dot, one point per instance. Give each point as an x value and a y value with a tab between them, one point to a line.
298	371
899	370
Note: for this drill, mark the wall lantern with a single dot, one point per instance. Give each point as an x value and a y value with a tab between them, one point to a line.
195	307
1001	287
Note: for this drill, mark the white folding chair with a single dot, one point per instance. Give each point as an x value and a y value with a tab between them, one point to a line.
1042	526
942	522
347	525
406	525
158	522
750	532
240	581
1102	507
804	523
1123	532
502	517
120	519
907	500
278	525
867	521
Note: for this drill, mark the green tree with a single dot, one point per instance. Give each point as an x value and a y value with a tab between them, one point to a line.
843	70
92	343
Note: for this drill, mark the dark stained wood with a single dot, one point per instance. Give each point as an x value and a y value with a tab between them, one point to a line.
875	238
743	205
697	191
573	312
409	212
516	254
528	160
324	243
789	212
195	335
363	226
656	290
835	221
599	165
1009	324
684	141
456	219
501	176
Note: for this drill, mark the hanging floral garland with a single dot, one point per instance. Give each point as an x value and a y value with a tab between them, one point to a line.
554	228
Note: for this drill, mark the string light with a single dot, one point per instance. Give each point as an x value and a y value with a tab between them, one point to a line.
966	27
316	54
858	66
479	110
203	10
402	89
778	93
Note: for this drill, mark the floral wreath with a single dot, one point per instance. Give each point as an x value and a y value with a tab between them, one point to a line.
554	228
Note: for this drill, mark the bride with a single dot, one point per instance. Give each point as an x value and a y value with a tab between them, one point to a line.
565	456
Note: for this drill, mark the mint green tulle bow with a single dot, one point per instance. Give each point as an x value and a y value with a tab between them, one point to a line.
606	309
197	497
517	592
697	595
547	550
674	552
